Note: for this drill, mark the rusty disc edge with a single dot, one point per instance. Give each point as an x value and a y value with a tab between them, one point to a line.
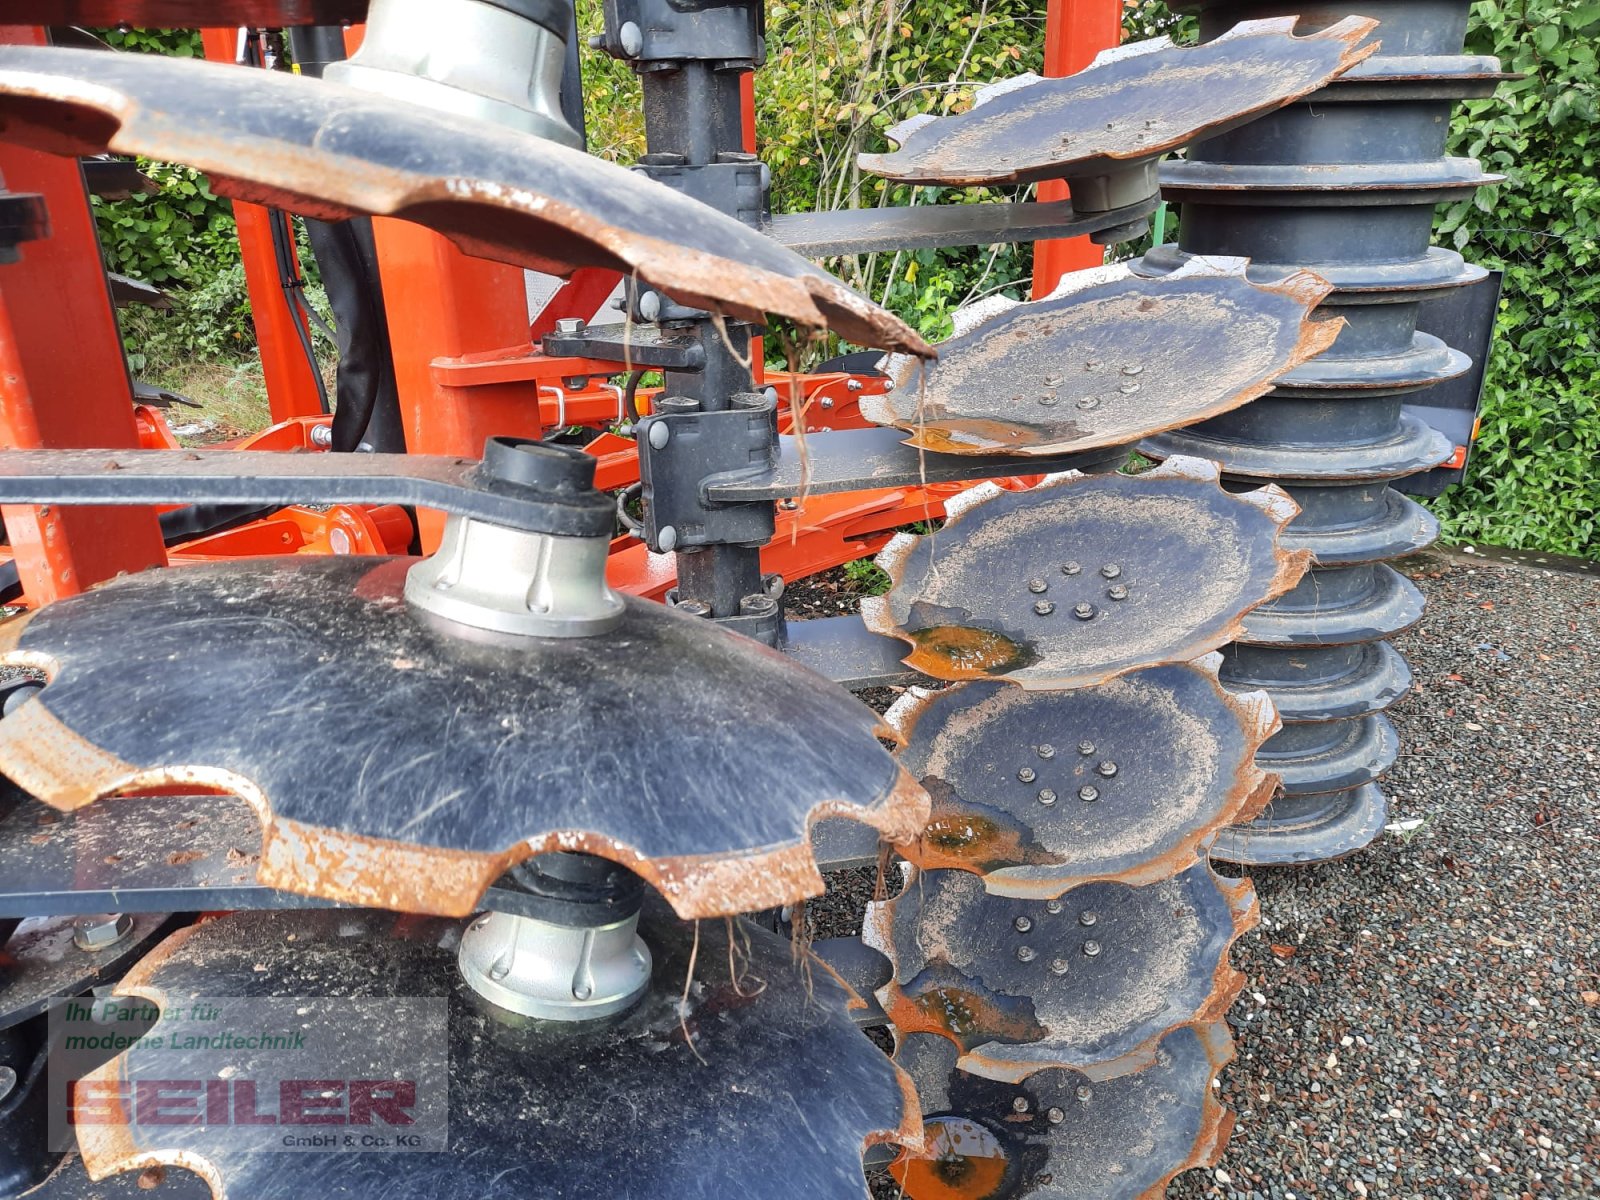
93	118
1252	790
1227	983
44	757
1303	287
1271	499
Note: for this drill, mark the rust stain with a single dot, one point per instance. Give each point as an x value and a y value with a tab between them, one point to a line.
969	435
941	999
962	1161
968	836
46	759
960	652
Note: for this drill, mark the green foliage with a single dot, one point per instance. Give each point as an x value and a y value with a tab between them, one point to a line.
182	234
866	577
1533	482
182	239
839	73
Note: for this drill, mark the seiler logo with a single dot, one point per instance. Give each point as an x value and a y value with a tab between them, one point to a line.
241	1102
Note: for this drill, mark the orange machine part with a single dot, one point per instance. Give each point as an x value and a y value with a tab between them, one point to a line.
63	381
1074	32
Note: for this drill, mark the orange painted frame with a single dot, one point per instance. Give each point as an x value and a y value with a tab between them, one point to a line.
63	381
1074	32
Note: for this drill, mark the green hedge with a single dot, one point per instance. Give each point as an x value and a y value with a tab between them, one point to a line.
1535	477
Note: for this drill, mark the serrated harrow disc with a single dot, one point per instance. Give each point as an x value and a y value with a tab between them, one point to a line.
1131	105
1058	1135
583	1112
1091	982
451	757
319	148
39	963
1127	782
1085	578
1107	359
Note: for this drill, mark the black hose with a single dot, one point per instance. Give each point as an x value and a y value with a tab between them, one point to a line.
283	251
630	397
629	521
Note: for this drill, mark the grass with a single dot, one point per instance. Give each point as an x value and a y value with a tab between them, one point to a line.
232	399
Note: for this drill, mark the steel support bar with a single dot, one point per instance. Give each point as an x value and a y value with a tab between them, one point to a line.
103	477
849	460
1344	182
932	226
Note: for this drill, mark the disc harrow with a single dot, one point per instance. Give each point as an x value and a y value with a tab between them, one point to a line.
495	789
1039	588
1041	791
330	151
505	790
1058	1134
1090	981
1129	107
593	1112
1106	359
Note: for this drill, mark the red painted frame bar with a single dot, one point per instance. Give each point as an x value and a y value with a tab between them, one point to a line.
63	381
1074	32
291	385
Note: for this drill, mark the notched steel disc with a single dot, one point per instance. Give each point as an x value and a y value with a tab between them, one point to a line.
40	964
1058	1135
325	150
1085	578
1091	982
1109	358
1131	104
1039	792
399	764
780	1089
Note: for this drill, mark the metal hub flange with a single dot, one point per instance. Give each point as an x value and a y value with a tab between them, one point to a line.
1040	792
1038	587
743	1039
1092	981
1106	359
1058	1135
491	62
573	954
451	754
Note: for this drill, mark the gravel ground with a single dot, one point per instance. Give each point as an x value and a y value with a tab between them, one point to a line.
1420	1019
